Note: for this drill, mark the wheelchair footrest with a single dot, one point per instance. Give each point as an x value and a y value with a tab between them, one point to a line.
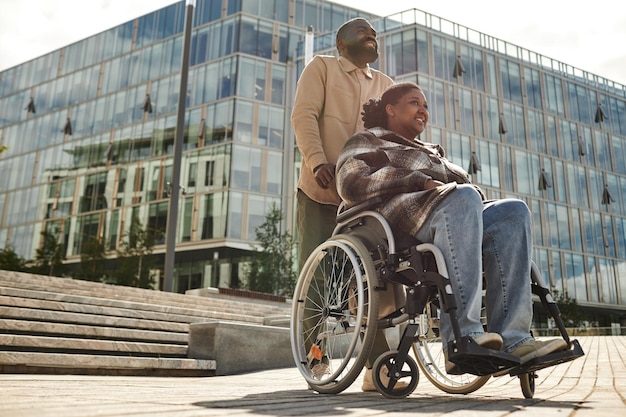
471	358
556	358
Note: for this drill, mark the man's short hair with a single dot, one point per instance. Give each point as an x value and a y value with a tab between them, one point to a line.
341	32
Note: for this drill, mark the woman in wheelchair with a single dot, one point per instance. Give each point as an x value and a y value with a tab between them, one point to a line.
434	200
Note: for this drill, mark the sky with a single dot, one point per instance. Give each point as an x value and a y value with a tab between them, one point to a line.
590	36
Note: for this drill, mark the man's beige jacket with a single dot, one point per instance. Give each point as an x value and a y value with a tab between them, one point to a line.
327	111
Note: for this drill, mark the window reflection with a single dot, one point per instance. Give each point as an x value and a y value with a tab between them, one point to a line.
580	102
511	80
473	63
459	150
186	215
536	131
235	215
557	272
533	88
219	122
209	169
113	232
406	52
537	223
255	37
619	151
157	221
609	237
620	224
514	120
554	95
86	230
490	168
492	118
436	103
527	173
256	214
608	284
444	57
575	273
246	168
277	94
466	111
594	279
212	215
93	195
603	151
558	180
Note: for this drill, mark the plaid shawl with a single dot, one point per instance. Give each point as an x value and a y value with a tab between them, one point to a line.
378	162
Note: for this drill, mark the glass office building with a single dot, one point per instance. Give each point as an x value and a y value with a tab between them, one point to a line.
90	131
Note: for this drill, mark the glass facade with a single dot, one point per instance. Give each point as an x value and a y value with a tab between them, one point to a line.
94	149
90	132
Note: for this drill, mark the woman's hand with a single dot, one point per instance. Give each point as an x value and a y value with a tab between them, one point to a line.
432	184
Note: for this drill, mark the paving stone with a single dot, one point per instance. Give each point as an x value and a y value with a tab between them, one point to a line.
591	386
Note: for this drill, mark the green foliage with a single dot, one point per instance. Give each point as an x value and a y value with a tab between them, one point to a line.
50	256
568	307
3	148
272	267
11	261
92	261
135	258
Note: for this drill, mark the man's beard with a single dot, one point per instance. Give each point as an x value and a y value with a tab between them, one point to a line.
359	50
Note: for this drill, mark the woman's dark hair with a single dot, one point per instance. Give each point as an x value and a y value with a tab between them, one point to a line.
374	114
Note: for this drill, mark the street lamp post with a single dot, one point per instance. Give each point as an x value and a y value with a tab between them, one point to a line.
172	215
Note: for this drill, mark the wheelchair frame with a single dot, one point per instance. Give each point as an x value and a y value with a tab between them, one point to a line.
337	293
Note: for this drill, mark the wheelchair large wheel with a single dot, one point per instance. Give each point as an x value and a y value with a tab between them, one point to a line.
428	350
330	334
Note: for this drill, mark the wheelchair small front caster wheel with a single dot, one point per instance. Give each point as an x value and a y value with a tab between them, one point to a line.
391	382
527	383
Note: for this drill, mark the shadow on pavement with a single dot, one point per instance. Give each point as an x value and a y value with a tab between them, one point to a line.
307	402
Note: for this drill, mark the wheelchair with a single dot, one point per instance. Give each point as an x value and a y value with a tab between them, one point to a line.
335	315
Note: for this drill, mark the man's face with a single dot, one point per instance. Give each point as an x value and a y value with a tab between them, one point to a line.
360	41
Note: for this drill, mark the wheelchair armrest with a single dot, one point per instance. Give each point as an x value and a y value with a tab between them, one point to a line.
346	213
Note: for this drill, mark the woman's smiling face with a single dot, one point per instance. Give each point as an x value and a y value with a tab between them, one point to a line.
408	117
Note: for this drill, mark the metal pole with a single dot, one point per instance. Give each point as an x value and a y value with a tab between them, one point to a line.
172	215
308	44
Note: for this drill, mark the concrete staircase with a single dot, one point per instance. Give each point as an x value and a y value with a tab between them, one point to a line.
62	325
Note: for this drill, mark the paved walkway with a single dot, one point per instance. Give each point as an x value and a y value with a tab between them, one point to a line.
594	385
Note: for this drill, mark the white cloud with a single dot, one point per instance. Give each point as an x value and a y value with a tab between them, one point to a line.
32	28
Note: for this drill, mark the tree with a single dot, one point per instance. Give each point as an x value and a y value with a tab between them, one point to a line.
11	261
135	260
92	260
50	256
272	267
568	307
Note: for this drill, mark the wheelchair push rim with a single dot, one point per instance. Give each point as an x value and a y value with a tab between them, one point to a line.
331	304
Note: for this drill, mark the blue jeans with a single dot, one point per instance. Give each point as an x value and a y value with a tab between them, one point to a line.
503	227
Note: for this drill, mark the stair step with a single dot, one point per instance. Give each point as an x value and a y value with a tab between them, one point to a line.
74	345
92	332
22	362
70	326
89	305
116	292
90	319
147	299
